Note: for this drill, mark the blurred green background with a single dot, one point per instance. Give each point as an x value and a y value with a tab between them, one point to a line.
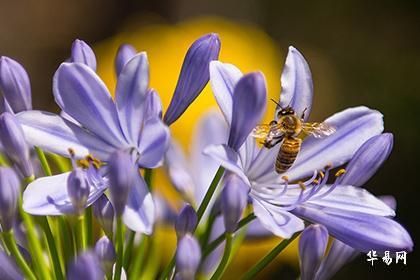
360	53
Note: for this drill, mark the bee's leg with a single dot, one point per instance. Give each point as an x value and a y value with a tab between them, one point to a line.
269	144
303	113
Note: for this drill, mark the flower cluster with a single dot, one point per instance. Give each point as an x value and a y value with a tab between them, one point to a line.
77	186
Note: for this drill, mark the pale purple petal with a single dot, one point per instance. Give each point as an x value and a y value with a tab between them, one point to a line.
279	222
227	158
8	268
248	106
15	85
354	127
130	96
153	142
389	200
56	135
139	213
223	78
312	245
194	75
296	84
153	107
367	160
361	231
178	170
349	198
124	54
48	196
83	53
82	94
338	255
210	129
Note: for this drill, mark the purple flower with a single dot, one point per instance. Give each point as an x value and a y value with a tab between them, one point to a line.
188	256
101	127
9	194
194	75
233	200
186	221
124	54
8	268
14	143
83	53
86	266
78	189
280	202
104	214
105	251
15	86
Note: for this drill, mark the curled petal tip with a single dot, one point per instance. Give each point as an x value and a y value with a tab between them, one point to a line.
124	54
83	53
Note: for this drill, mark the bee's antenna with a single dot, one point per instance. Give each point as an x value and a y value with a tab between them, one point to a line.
276	103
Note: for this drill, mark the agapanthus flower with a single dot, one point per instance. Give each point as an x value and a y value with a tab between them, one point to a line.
350	213
102	126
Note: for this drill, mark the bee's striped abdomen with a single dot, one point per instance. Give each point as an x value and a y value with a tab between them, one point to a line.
288	152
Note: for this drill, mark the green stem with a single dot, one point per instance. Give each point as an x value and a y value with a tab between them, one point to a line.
225	259
52	248
140	257
129	248
215	243
67	242
250	274
79	233
88	231
15	252
204	237
34	244
120	249
62	163
200	213
148	176
44	163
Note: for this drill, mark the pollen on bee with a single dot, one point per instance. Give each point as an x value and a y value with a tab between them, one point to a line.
340	172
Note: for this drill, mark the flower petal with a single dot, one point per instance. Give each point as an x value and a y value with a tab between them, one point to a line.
130	96
338	255
81	94
363	232
8	268
48	196
83	53
296	84
248	106
223	78
153	107
153	143
227	158
124	54
139	213
178	170
280	223
354	126
194	75
368	158
54	134
349	198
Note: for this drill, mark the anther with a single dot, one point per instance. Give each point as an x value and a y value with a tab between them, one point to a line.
285	178
302	185
340	172
321	174
328	166
83	163
315	182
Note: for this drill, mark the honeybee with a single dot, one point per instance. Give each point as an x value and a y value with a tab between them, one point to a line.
289	130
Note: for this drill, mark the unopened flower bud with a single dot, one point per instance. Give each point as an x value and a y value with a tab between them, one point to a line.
186	221
78	189
194	75
86	266
14	84
124	54
312	244
121	178
233	201
14	143
104	214
188	256
105	251
83	53
9	194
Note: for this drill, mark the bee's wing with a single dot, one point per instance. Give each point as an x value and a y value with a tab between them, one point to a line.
261	131
318	130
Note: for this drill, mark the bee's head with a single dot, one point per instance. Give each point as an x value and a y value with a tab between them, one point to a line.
286	111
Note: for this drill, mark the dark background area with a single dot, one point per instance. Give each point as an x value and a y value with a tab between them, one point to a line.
372	47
